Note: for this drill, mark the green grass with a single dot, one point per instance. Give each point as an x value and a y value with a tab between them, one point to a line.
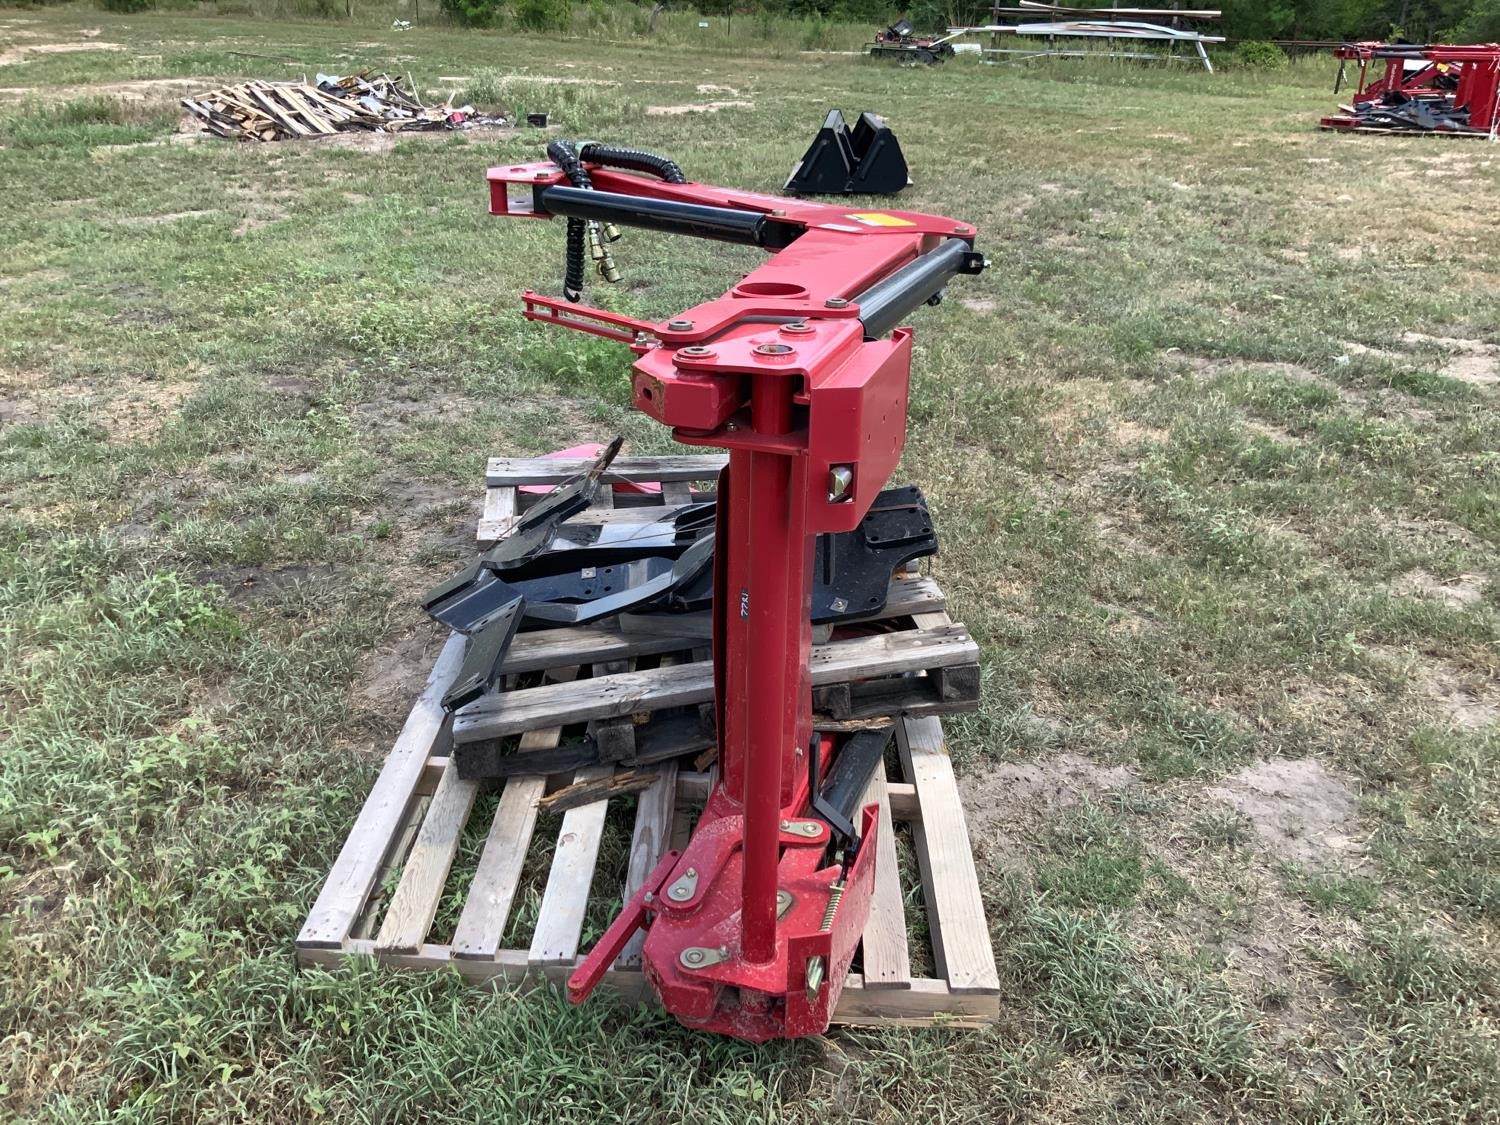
1188	477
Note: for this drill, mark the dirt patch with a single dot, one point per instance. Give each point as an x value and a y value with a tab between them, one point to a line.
1208	365
392	676
1468	700
159	220
977	304
698	107
135	409
1464	590
14	56
1006	803
1476	362
1300	809
1476	370
246	583
1133	433
1278	434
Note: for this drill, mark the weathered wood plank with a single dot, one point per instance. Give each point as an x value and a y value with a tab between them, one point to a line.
498	874
499	514
607	697
648	843
927	1003
415	902
950	883
559	923
886	959
355	871
548	648
558	470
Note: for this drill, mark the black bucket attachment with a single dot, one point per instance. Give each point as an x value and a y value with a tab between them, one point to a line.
867	161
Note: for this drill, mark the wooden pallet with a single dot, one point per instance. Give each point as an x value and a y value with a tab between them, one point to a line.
507	477
409	832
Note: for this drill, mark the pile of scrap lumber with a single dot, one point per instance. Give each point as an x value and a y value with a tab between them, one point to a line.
274	111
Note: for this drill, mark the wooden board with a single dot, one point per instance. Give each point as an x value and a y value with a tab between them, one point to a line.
559	923
519	471
608	697
884	955
415	903
353	876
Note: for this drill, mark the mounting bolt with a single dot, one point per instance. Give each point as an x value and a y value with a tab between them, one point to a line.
840	479
836	303
679	326
814	976
797	328
773	349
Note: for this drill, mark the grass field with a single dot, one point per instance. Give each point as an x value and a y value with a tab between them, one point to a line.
1214	450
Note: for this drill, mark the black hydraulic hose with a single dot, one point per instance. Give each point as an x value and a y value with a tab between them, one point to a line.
633	160
563	155
570	158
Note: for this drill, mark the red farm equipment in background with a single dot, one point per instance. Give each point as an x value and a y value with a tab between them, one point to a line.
1421	89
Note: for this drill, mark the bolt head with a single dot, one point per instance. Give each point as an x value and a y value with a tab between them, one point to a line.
679	325
836	303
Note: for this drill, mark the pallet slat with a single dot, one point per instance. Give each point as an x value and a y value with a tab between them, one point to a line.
558	470
499	513
608	697
414	905
925	1004
648	843
559	923
548	648
354	873
498	873
885	957
960	934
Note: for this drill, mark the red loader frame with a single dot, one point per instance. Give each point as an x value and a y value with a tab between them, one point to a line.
1451	79
801	372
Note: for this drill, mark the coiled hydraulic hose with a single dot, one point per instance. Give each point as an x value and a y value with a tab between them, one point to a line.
563	155
571	160
633	160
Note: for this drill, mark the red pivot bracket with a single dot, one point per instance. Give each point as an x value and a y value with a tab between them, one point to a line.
635	916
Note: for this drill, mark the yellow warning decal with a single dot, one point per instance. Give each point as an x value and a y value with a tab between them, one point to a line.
880	219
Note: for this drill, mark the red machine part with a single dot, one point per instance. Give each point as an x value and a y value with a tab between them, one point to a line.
1463	76
750	931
